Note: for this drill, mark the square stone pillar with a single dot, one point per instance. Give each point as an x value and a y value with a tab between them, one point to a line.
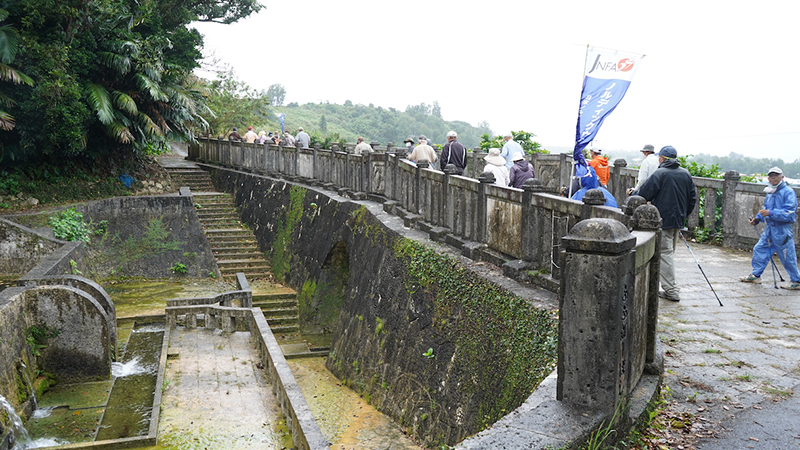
595	301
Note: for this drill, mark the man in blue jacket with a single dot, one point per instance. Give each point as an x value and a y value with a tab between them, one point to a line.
779	213
670	189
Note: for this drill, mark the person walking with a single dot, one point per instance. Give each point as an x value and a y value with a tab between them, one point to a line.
423	151
649	165
520	172
250	136
496	164
671	189
302	138
362	147
778	215
510	149
234	136
600	165
453	153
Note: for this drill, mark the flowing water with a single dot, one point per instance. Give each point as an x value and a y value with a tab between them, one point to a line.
21	435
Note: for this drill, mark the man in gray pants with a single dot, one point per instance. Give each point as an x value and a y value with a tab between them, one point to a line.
671	189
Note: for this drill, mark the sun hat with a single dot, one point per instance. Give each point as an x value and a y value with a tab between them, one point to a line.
422	137
518	157
494	157
597	150
648	148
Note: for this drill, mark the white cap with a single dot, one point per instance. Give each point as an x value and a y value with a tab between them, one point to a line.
452	134
775	169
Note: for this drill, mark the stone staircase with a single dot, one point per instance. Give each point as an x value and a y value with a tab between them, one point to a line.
235	248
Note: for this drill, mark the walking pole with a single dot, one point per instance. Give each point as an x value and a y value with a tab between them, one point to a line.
701	269
774	266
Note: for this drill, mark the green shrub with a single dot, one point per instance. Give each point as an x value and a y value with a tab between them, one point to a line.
69	226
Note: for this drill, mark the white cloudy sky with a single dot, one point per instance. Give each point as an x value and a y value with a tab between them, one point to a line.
718	76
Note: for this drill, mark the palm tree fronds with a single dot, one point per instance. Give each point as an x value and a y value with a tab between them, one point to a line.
119	132
124	102
100	100
6	121
120	63
152	87
7	73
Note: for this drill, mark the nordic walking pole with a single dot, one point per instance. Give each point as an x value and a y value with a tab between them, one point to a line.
701	269
774	266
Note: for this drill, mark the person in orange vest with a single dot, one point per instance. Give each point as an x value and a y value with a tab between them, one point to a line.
600	165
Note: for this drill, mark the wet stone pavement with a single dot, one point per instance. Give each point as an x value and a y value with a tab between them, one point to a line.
735	367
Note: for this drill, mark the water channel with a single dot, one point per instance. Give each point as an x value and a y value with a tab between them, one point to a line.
346	420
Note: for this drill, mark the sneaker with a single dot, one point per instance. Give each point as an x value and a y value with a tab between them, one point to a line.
751	279
672	298
792	286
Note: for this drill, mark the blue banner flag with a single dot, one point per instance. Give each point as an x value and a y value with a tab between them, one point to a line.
281	116
607	76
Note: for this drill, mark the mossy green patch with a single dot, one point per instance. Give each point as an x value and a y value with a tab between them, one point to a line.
485	319
285	228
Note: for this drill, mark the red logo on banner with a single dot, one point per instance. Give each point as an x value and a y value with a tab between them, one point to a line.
625	65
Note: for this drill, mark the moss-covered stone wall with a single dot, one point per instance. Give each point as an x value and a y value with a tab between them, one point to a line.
420	335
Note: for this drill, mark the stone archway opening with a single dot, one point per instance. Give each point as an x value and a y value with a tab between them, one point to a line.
320	300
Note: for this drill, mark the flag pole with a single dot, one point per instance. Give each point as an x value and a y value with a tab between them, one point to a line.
583	76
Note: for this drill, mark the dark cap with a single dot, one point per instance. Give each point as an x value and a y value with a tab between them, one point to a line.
648	148
668	152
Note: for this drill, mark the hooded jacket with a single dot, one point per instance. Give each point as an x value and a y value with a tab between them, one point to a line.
671	189
520	172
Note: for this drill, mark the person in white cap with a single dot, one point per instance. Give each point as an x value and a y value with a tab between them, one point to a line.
496	164
649	165
303	138
453	153
778	215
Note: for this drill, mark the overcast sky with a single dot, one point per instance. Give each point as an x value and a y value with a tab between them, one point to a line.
718	76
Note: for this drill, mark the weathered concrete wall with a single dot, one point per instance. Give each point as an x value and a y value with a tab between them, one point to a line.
425	339
146	236
22	248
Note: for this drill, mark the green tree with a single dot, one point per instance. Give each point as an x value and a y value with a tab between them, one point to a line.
524	138
113	77
323	124
234	104
9	45
276	94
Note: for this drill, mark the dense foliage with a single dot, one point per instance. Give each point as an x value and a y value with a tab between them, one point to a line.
524	138
749	165
109	77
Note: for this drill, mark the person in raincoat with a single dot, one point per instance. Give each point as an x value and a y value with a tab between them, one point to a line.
778	215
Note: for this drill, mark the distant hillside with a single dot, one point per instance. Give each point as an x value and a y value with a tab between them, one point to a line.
376	123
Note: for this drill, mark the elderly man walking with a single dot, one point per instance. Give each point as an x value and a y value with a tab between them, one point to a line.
671	189
778	215
362	147
453	153
510	149
423	151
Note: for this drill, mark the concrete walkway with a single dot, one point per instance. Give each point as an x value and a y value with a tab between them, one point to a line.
215	396
735	367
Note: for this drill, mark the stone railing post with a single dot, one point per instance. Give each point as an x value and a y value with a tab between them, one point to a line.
296	160
314	165
485	179
475	169
445	206
217	150
647	218
593	197
534	240
730	209
421	164
616	182
595	304
334	149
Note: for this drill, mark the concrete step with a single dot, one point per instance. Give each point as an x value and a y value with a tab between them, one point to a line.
238	255
229	232
273	305
288	317
284	329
